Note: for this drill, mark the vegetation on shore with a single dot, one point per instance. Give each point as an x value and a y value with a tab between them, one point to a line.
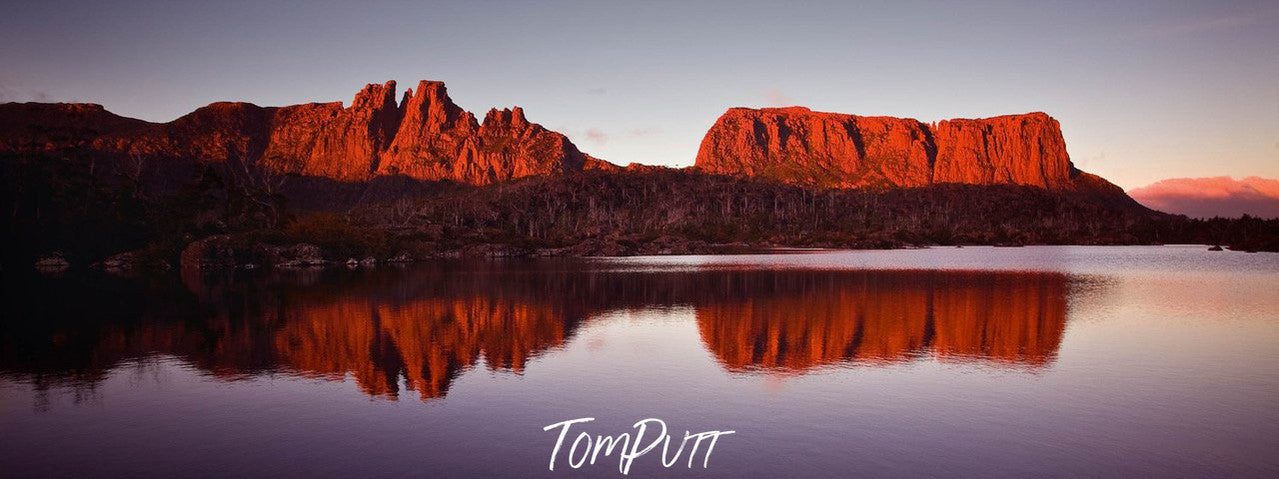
61	204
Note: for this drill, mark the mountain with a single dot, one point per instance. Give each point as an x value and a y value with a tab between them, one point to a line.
425	136
393	176
1208	197
801	146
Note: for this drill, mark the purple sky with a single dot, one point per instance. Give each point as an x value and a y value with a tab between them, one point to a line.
1144	90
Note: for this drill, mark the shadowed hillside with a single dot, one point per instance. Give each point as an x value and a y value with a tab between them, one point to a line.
51	202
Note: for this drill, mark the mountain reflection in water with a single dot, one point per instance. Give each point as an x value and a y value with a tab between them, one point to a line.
796	321
420	327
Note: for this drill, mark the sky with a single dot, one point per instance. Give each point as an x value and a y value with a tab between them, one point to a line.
1144	90
1207	197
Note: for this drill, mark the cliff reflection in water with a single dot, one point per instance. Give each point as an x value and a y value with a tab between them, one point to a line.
804	321
421	327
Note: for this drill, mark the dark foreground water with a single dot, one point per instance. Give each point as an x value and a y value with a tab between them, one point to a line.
1036	361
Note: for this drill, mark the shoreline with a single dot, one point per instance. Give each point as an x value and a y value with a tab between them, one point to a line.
217	254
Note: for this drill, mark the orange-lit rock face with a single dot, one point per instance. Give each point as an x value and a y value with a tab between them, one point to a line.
1017	149
798	145
438	140
1013	319
334	142
425	136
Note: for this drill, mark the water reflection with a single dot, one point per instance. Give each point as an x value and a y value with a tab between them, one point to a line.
800	321
418	328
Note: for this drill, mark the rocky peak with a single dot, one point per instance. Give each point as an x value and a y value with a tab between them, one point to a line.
375	106
375	96
430	110
505	119
437	139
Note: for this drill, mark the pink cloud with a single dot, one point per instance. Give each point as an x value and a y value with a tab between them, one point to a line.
775	97
1208	197
596	135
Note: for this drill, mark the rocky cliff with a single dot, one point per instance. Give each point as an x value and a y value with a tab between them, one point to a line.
424	136
798	145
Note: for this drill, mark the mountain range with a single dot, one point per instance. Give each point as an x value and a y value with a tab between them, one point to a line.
416	171
426	136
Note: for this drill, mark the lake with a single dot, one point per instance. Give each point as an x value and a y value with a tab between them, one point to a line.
977	361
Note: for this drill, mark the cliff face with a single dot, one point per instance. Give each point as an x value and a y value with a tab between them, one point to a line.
1019	149
798	145
424	136
439	140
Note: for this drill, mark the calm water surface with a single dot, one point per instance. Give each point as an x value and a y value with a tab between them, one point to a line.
1045	361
